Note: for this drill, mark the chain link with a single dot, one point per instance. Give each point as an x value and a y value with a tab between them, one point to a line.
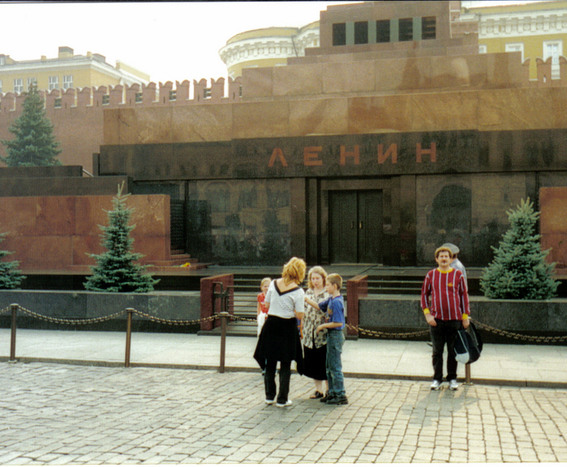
74	321
517	336
175	322
5	310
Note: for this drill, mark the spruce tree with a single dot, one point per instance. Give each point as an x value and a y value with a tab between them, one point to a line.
116	270
519	270
10	277
34	143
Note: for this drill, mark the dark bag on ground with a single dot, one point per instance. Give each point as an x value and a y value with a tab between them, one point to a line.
468	345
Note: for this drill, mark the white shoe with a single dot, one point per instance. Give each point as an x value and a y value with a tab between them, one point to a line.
435	385
453	385
269	402
287	404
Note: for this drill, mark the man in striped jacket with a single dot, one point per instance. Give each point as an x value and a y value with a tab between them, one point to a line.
445	303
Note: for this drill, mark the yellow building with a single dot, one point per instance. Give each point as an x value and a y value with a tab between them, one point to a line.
66	71
267	47
536	30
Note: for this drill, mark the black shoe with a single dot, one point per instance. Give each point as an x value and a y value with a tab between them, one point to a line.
317	395
325	398
338	400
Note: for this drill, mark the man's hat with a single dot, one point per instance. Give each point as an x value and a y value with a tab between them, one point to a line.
454	248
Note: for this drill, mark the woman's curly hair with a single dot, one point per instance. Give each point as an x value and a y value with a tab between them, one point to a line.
294	271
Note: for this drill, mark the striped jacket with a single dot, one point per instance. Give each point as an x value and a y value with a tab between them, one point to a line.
445	295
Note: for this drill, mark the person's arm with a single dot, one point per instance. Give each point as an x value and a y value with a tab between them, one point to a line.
330	325
300	306
465	302
312	303
425	292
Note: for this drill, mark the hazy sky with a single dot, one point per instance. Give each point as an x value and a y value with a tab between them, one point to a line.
168	40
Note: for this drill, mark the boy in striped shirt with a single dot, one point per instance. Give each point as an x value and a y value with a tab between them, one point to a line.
445	303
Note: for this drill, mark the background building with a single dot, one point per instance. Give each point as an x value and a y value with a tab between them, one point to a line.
65	72
537	30
267	47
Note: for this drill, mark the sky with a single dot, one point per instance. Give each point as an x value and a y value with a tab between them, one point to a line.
170	41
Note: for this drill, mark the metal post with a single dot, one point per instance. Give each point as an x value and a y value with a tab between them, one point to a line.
14	307
468	374
128	336
224	317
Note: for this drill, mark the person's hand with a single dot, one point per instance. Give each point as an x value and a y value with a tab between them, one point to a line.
466	323
430	319
319	328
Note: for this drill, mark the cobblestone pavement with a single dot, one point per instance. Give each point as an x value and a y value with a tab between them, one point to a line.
63	414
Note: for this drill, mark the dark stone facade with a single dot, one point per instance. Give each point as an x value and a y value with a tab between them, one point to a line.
377	198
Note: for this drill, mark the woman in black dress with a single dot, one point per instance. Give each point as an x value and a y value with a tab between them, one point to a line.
315	343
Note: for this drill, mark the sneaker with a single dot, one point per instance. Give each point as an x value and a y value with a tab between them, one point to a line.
325	398
338	400
453	385
436	385
269	401
284	404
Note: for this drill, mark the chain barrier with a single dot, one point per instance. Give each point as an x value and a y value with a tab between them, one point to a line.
409	335
102	319
5	310
516	336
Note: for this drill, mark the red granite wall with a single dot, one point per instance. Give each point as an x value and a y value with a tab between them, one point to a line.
553	225
57	232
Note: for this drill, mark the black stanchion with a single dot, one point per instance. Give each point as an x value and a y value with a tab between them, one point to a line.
14	307
129	312
224	317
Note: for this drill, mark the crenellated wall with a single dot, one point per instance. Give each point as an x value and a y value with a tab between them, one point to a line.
77	114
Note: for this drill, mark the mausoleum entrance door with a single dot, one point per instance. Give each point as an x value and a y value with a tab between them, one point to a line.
355	228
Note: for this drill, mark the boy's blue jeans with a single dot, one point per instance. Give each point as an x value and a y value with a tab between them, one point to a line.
335	339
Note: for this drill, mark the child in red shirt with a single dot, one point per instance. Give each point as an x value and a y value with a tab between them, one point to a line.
262	309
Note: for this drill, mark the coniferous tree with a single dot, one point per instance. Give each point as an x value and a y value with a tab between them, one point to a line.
10	277
34	142
519	270
116	270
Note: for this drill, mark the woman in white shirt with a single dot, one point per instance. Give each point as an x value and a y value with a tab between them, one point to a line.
279	339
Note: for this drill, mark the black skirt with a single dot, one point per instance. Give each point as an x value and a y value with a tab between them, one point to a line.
280	341
315	363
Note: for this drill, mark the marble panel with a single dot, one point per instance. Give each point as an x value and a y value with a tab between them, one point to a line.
515	109
298	80
154	248
18	215
558	253
559	104
257	82
382	114
43	252
151	214
553	207
83	246
55	215
451	72
504	70
90	212
260	120
143	125
444	111
348	77
403	74
197	123
318	116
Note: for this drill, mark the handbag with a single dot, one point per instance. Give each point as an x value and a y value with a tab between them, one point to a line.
468	345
